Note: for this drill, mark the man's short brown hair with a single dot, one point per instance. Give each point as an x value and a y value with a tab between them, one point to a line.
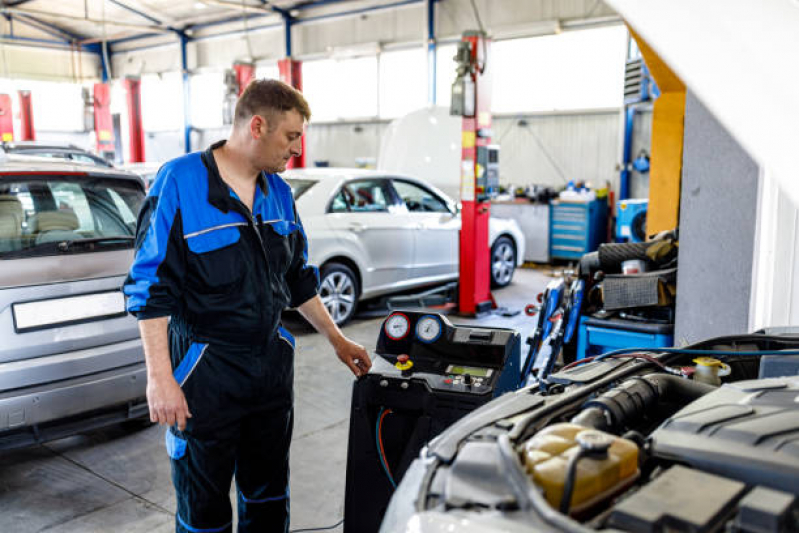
269	97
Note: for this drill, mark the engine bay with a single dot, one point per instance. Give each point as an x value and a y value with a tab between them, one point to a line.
703	438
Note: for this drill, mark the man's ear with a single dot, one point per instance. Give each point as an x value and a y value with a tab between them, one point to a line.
258	126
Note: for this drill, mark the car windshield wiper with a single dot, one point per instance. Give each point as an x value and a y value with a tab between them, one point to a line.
65	246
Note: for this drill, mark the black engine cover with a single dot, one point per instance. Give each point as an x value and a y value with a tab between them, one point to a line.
747	431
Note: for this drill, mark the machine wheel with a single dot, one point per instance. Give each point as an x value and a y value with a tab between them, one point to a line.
503	262
339	291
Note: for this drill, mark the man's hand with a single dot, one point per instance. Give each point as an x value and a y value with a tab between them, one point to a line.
353	355
167	402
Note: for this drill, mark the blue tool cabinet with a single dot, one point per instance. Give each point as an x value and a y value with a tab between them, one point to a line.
576	228
597	336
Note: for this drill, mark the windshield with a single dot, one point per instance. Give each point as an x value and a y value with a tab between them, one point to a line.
299	186
49	215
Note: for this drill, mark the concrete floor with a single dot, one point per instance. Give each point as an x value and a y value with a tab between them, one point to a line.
118	479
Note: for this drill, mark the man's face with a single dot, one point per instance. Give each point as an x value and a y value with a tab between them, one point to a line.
280	140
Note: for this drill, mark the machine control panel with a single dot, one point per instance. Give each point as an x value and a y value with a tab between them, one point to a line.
462	359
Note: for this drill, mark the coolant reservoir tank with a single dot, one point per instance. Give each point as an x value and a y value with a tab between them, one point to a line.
546	456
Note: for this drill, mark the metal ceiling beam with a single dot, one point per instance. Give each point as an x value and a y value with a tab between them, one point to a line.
59	16
47	27
316	3
58	35
16	3
136	11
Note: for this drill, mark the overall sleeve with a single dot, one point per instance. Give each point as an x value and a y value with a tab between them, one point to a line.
154	285
302	278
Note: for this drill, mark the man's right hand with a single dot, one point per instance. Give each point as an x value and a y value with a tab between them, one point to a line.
167	402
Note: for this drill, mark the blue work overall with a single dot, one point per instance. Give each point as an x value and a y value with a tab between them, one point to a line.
224	275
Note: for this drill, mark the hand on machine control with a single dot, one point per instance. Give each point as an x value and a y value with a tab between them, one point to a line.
354	356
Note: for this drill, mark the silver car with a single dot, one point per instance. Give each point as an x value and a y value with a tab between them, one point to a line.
70	358
373	233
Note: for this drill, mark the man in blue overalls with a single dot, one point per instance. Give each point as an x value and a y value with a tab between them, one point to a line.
220	253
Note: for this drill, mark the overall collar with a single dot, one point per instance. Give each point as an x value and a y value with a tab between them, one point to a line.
220	195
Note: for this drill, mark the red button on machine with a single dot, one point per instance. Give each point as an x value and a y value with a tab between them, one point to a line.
402	358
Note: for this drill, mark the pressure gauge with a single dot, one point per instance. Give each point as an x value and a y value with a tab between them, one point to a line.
397	326
428	329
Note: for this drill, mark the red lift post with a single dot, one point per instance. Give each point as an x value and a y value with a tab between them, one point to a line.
291	73
6	119
472	90
103	123
135	126
245	72
26	116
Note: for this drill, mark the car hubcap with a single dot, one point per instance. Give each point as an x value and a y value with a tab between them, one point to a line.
503	263
338	295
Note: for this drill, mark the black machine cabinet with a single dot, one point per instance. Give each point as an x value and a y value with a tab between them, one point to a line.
427	373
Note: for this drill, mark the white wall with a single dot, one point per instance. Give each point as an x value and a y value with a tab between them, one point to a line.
775	290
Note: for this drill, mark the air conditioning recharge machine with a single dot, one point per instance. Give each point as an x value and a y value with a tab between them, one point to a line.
426	374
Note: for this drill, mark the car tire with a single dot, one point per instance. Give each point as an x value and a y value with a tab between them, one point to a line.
503	262
339	291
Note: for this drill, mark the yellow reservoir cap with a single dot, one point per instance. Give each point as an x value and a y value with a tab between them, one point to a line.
546	457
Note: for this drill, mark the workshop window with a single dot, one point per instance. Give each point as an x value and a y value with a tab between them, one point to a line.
403	82
267	71
445	73
162	101
207	92
572	70
56	106
339	89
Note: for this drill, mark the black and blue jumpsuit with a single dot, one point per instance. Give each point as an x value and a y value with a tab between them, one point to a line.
224	275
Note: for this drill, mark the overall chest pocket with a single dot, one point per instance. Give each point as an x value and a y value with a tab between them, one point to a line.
278	239
216	263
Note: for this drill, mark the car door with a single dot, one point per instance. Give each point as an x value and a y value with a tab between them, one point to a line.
438	228
365	216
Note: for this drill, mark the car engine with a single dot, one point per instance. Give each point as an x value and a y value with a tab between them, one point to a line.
702	439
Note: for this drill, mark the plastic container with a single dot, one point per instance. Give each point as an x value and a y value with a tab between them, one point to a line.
546	457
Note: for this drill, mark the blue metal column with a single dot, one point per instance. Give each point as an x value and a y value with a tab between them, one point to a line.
184	67
624	182
431	52
288	22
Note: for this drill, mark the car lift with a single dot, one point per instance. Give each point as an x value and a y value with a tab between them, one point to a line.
26	116
6	119
135	125
471	99
103	122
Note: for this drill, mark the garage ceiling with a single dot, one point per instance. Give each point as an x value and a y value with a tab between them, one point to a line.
88	21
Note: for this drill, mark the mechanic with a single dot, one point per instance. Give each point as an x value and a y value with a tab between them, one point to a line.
220	253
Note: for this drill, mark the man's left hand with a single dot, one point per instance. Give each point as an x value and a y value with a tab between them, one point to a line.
354	356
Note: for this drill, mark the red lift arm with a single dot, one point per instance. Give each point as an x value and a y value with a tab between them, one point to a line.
291	73
6	119
475	265
103	123
135	127
245	72
26	116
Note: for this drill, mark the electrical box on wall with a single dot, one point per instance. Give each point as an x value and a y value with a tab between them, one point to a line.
487	171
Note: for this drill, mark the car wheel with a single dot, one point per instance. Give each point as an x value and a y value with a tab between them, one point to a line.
339	291
503	262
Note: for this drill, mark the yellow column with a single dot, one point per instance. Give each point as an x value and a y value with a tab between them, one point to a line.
667	141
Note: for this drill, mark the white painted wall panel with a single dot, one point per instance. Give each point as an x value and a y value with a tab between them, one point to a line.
553	149
48	64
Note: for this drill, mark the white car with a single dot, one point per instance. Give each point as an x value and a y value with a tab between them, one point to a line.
372	233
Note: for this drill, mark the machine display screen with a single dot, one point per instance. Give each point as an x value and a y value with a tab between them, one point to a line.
472	371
